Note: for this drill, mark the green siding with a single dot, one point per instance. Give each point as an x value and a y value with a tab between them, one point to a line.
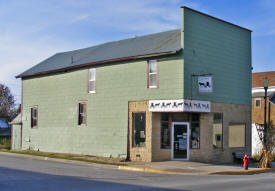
57	98
210	47
223	50
16	136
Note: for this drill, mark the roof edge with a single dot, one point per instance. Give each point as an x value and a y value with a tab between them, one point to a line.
15	123
101	62
184	7
263	72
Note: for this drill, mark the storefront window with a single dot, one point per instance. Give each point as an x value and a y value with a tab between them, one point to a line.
165	131
217	130
236	135
167	118
195	131
139	135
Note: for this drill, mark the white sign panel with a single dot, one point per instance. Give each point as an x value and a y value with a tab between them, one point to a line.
205	84
179	105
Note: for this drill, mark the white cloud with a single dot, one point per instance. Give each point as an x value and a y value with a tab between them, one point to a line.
80	18
58	26
141	16
17	55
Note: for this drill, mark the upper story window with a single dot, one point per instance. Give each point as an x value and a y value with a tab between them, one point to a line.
34	117
257	103
92	80
152	75
82	113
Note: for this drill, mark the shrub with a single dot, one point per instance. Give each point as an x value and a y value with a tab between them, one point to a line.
257	157
5	143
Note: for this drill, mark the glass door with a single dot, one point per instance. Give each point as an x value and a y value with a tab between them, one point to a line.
180	140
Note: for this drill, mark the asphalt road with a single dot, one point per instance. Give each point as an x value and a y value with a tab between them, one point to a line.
27	174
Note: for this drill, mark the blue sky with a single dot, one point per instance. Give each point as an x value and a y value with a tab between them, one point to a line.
32	30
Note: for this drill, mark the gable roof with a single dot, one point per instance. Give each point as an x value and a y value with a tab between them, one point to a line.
258	78
16	120
168	42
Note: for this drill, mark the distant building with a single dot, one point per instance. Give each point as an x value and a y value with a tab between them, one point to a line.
5	130
258	102
258	96
183	94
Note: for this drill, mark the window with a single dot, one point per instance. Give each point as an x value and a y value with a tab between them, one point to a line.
236	135
152	76
218	130
165	131
34	117
139	123
92	79
257	103
82	113
195	131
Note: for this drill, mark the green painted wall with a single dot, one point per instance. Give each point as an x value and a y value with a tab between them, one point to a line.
214	47
57	98
210	46
16	136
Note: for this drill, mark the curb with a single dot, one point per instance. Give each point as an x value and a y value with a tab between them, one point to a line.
157	171
66	161
243	172
152	170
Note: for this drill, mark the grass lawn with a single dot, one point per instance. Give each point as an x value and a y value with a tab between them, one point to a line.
83	158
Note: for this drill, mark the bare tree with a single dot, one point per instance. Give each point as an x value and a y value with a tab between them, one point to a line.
8	107
266	155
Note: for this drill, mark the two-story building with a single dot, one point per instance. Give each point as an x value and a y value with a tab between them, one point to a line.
183	94
258	100
258	104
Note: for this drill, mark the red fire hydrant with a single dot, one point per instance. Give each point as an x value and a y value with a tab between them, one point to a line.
245	161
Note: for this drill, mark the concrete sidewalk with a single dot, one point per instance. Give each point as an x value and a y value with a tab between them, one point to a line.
186	167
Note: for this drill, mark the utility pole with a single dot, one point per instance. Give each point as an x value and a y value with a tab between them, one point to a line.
265	83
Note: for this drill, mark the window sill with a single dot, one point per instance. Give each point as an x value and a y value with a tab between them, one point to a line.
91	92
139	147
153	87
83	125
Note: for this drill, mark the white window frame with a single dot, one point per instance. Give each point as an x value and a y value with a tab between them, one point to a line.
91	80
172	140
155	73
258	99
